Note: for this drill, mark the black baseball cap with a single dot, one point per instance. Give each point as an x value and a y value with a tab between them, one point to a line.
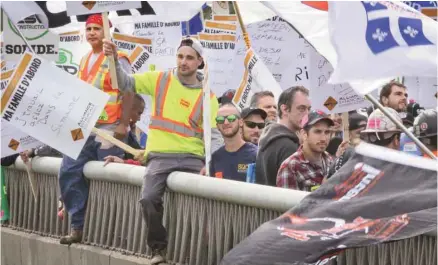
249	111
356	121
317	116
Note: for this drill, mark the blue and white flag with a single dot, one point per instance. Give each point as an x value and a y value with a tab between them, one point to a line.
380	40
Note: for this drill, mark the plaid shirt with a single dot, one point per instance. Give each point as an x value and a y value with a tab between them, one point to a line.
297	173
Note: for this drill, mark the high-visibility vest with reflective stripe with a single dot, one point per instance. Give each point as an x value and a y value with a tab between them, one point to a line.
99	77
176	124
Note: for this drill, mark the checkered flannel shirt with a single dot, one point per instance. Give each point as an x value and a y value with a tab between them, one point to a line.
297	173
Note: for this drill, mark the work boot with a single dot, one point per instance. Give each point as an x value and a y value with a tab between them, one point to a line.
74	237
158	256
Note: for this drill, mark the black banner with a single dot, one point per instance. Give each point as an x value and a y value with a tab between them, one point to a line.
368	201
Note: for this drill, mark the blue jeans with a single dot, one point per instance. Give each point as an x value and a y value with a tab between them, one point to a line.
72	182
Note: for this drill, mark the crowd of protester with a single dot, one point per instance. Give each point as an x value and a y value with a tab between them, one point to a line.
282	143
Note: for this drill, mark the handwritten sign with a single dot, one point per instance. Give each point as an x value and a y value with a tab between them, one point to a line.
42	40
219	54
327	97
50	105
139	58
281	49
165	41
91	7
256	78
423	90
72	47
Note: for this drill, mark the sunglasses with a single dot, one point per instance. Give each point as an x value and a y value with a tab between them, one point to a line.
252	124
231	118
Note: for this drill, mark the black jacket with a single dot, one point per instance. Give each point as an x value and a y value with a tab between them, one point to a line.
276	144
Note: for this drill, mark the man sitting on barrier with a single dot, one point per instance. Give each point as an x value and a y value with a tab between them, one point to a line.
175	138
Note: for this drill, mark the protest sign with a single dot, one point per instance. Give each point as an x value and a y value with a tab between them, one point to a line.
165	36
219	54
327	97
72	47
220	7
92	7
15	141
212	27
256	78
50	105
4	78
41	39
128	43
226	18
145	119
4	213
423	90
139	58
284	52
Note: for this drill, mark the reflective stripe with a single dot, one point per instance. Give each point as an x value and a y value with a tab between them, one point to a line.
162	85
174	127
196	115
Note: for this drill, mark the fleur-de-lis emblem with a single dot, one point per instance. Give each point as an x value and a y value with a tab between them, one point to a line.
410	31
379	35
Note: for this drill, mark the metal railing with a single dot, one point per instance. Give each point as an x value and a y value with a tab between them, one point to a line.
205	217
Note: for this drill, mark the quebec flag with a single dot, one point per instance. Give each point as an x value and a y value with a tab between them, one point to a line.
380	40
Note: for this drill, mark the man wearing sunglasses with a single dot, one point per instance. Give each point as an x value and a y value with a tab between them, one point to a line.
175	138
231	160
253	124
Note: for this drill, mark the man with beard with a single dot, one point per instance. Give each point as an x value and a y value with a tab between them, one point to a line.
306	169
253	124
231	160
279	140
394	96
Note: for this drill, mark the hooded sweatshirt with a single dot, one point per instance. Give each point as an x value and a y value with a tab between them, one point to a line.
276	144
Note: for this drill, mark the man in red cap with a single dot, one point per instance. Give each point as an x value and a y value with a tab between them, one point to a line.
94	69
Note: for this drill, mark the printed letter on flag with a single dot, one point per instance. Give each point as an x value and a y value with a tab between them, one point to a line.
256	78
51	105
380	40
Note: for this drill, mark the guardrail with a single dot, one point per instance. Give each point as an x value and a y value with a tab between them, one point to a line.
205	217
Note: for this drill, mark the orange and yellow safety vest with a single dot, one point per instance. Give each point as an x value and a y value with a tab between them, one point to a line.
176	124
99	77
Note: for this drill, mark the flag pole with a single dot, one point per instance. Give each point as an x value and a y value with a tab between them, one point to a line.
401	126
242	26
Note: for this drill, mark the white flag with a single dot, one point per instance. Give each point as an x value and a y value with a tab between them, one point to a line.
19	10
256	78
380	40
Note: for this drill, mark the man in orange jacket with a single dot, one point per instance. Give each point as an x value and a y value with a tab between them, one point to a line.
93	69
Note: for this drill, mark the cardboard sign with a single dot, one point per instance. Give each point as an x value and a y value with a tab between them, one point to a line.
219	54
72	47
15	141
92	7
128	43
165	36
50	105
255	79
139	58
331	98
43	41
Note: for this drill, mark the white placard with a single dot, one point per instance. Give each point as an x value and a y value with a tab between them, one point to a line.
282	50
50	105
72	46
15	141
256	78
145	119
91	7
165	36
4	78
128	43
219	53
327	97
213	27
43	41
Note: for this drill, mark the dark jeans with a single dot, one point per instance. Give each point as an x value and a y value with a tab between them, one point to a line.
72	182
158	168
